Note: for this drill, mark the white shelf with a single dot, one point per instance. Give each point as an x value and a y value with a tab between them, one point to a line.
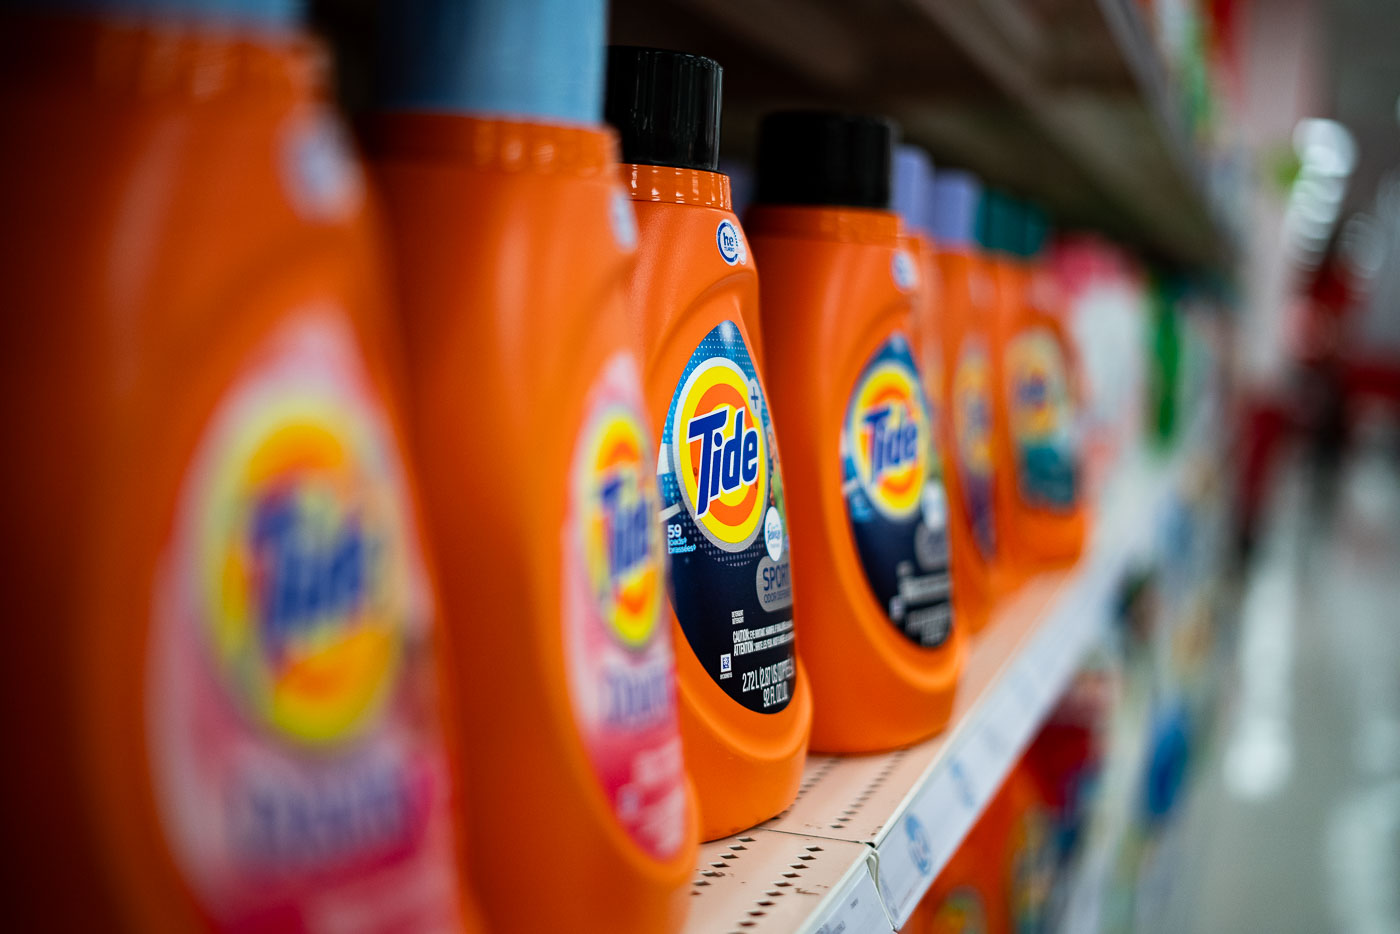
867	835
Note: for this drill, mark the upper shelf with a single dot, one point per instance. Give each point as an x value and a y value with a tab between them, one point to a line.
1065	101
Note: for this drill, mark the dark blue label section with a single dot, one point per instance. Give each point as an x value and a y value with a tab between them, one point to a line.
726	525
894	495
1042	420
972	438
977	492
1047	476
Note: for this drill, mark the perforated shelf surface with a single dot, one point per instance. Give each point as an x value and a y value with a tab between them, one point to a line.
765	881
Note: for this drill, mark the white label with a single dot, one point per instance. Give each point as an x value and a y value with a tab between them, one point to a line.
730	241
856	910
773	533
906	276
623	220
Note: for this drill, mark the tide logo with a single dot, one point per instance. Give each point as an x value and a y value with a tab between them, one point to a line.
889	430
622	539
1039	390
306	570
972	416
721	452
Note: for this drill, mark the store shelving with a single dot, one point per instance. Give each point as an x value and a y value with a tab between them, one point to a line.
1066	101
867	835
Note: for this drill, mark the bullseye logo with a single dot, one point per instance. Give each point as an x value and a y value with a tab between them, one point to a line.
721	453
972	417
622	539
889	428
306	572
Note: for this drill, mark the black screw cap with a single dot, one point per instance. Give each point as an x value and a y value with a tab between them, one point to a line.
808	157
665	106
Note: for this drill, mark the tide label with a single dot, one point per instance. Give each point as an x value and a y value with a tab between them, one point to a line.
894	494
726	525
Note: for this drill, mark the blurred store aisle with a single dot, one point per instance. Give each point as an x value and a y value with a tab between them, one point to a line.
1295	825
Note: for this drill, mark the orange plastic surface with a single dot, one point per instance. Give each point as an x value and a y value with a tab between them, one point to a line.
1035	538
969	895
746	765
933	319
999	879
513	287
155	246
981	579
828	301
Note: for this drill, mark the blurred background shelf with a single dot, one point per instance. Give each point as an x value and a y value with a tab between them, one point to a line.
888	823
1065	101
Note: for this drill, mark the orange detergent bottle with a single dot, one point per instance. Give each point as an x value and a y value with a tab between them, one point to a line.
1039	506
968	896
867	516
911	182
221	687
966	465
745	706
979	560
1001	877
515	240
1022	850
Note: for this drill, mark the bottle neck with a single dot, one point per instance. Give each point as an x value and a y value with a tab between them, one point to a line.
665	184
485	145
847	225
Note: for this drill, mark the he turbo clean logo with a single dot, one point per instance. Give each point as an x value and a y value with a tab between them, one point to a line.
890	428
622	539
721	453
306	582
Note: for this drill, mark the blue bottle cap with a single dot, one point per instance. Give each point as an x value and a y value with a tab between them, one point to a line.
953	207
913	180
1035	229
525	59
238	13
998	222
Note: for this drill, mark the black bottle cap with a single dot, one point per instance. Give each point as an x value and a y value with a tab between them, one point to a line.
825	158
665	106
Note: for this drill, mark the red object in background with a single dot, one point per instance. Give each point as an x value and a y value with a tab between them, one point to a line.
1225	39
1069	748
1262	425
1323	312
